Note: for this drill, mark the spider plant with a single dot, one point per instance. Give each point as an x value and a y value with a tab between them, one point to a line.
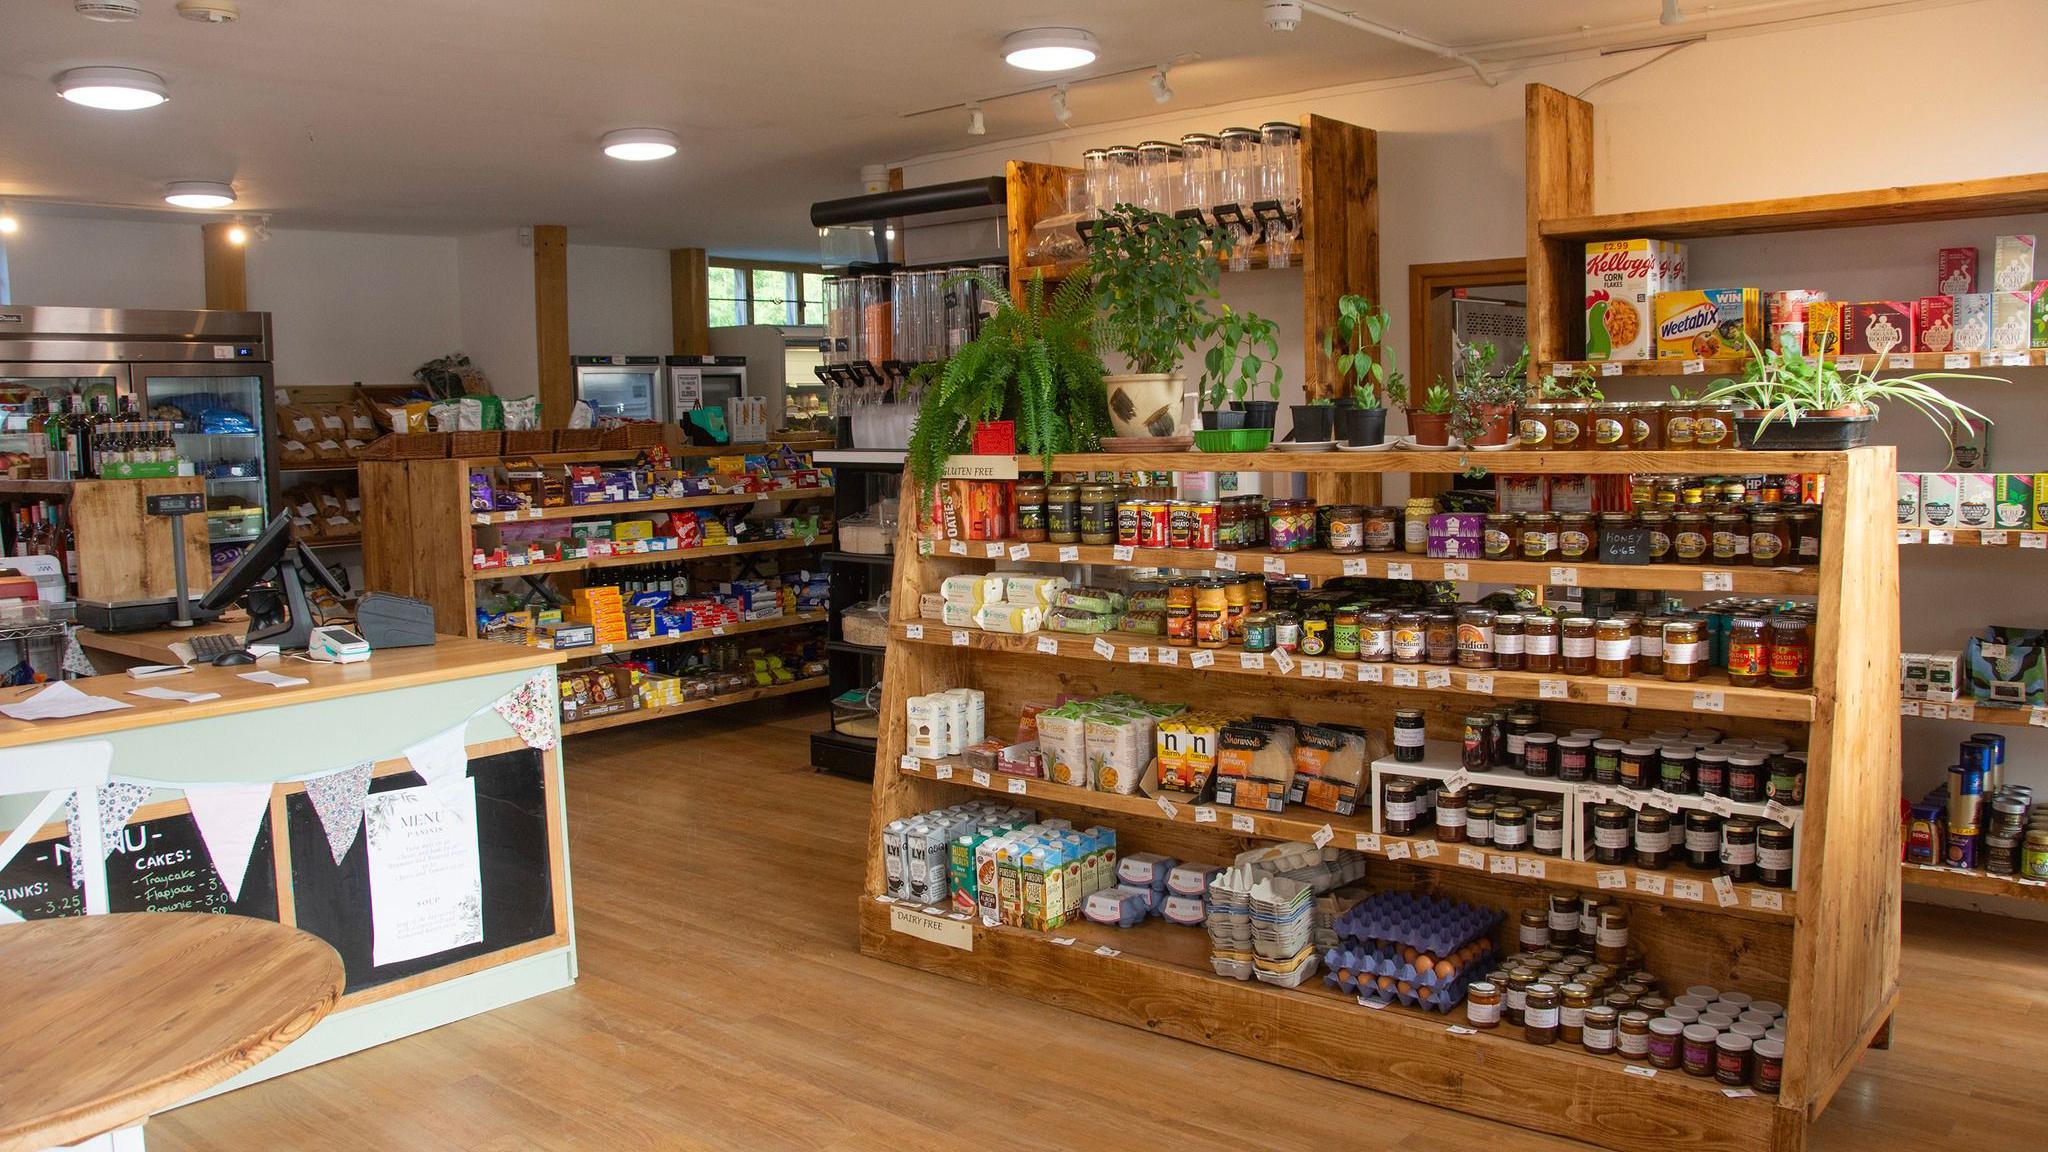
1783	384
1033	362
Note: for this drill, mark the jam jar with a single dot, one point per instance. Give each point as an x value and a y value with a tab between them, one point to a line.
1773	855
1411	640
1684	653
1610	430
1507	641
1539	643
1570	429
1440	638
1653	839
1738	849
1729	535
1382	530
1401	810
1546	834
1511	827
1613	647
1409	736
1770	539
1502	540
1578	646
1805	526
1450	817
1533	426
1539	535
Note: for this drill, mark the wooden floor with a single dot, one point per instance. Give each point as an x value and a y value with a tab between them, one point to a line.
722	1005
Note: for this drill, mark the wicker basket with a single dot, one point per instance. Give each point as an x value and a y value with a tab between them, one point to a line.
578	440
384	447
420	445
476	444
532	440
639	434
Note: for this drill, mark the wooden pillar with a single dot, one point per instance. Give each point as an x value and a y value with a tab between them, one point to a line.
1340	255
689	297
227	271
551	322
1559	159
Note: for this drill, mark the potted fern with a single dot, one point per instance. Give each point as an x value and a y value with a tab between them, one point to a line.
1153	276
1033	363
1354	343
1789	401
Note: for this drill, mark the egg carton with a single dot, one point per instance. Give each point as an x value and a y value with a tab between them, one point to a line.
1192	879
1435	926
1280	896
1391	981
1277	947
1233	968
1289	971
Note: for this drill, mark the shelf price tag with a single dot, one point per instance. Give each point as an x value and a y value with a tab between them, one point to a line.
1650	882
1354	567
1621	694
1400	571
481	518
1472	858
1548	689
1567	577
1020	551
1909	707
2035	540
1479	683
1048	646
1782	814
2015	360
1202	658
992	551
1435	678
1322	836
1532	868
1460	1029
1900	360
1252	661
957	547
1242	822
1015	786
1063	941
1724	891
1123	553
1611	368
1104	648
906	763
1738	1093
1849	364
924	547
1994	538
1457	782
1366	841
943	772
913	631
1070	553
1226	561
1404	678
981	779
1426	849
1365	1001
1940	536
1283	661
1560	368
1961	711
1168	809
1500	865
1688	890
1398	850
1113	953
1911	536
1694	367
1639	1070
1956	360
1312	669
1169	657
1717	581
1138	654
1457	572
1627	798
1766	901
1705	700
1720	806
1612	878
1205	815
1659	798
1275	565
960	638
1370	673
1333	671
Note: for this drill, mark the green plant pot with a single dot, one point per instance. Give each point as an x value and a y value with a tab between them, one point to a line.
1233	439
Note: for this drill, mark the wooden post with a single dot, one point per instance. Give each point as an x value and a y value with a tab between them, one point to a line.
1340	255
1560	174
227	271
551	322
689	297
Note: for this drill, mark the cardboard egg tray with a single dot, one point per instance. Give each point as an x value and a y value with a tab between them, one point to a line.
1288	971
1438	927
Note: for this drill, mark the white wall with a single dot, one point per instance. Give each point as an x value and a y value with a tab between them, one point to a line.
85	262
494	283
349	306
619	301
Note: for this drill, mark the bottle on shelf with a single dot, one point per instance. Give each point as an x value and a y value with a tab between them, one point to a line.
78	433
39	439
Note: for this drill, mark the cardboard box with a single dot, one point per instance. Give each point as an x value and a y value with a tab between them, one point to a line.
1934	322
1909	499
2012	320
1939	492
2012	500
1622	277
1785	316
1971	315
2012	263
1824	327
1955	271
1973	500
1708	322
2039	336
1877	327
2040	501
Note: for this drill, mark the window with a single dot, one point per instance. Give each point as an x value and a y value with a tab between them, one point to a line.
745	292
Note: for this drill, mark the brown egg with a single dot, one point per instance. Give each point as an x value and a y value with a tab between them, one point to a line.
1405	988
1445	969
1423	961
1386	983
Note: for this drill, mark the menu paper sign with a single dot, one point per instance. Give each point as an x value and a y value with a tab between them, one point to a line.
426	885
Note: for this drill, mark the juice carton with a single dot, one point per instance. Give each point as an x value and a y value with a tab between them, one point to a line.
2012	263
1934	318
1622	277
2012	500
961	861
1972	320
1955	271
987	878
2012	320
1973	500
1708	322
1010	884
1877	327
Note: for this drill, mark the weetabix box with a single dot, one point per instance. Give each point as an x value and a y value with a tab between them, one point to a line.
1824	327
1934	321
1622	278
2012	263
2012	320
1708	322
1955	271
1972	320
2012	499
1877	327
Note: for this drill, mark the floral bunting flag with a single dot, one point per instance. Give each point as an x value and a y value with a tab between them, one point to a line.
530	710
338	800
117	803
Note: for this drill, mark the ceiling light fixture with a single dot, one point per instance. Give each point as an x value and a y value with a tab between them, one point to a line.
8	224
108	11
977	124
639	144
1050	49
1060	111
199	194
1160	92
209	11
237	235
113	89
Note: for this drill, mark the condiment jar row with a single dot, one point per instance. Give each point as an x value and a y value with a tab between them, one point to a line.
1762	536
1625	426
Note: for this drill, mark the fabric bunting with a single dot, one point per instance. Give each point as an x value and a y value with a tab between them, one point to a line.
530	710
118	802
229	816
443	762
338	799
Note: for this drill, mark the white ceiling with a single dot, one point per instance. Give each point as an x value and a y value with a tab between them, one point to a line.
452	116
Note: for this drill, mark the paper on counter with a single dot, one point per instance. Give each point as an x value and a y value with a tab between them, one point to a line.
274	679
153	671
58	701
173	694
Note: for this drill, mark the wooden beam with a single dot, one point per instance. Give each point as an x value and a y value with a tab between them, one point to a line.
227	271
551	322
689	297
1559	163
1340	204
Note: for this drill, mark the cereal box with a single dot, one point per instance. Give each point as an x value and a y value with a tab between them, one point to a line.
1972	320
2012	264
1824	327
1934	321
2012	499
1877	326
1708	322
1622	277
1955	271
2012	320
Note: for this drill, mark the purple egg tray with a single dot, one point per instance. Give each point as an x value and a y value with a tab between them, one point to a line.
1438	927
1355	971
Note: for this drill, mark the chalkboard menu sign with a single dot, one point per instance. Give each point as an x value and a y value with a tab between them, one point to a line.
158	865
1625	546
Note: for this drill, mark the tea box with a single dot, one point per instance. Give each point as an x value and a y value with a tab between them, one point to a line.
1939	492
1708	322
2012	320
1970	445
2012	263
1934	320
2040	501
1785	316
1622	278
1876	327
2012	500
1973	500
1909	499
2039	336
1971	315
1824	327
1955	271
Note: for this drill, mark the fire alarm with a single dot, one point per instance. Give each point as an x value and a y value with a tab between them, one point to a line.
209	11
108	11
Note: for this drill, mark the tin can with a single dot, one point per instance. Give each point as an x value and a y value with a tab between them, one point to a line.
1127	519
1202	526
1180	521
1153	530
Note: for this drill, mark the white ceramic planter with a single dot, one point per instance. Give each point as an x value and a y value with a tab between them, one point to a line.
1148	404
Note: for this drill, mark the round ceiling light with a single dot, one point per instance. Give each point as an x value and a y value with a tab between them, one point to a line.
199	194
640	144
114	89
1050	49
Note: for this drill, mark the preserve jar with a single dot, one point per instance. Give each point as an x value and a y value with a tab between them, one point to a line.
1768	1074
1645	423
1787	780
1748	781
1730	535
1713	427
1347	529
1482	1004
1690	543
1805	525
1475	637
1649	644
1578	536
1575	1000
1732	1058
1569	426
1410	637
1539	1014
1532	426
1791	652
1684	652
1409	735
1614	522
1773	855
1440	638
1609	427
1315	632
1710	766
1632	1038
1502	539
1653	839
1639	766
1415	534
1063	513
1598	1036
1539	754
1290	525
1610	940
1511	827
1659	525
1539	643
1607	762
1613	647
1031	511
1748	652
1534	932
1738	849
1664	1042
1702	840
1574	759
1677	769
1517	1000
1578	645
1479	821
1400	810
1507	642
1515	747
1546	832
1477	740
1450	817
1539	535
1381	534
1376	637
1344	632
1770	539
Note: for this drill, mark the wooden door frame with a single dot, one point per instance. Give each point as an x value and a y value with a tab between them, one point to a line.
1425	281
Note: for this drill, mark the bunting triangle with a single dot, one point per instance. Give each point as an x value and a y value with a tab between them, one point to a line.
530	710
229	816
442	761
338	800
118	802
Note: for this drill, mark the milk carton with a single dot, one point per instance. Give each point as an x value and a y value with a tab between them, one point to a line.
1622	278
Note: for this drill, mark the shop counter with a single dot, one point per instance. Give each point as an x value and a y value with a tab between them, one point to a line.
406	809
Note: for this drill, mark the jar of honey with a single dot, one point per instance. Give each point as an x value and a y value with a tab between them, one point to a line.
1578	646
1713	427
1577	536
1347	529
1475	637
1770	539
1532	427
1613	647
1645	426
1658	523
1507	641
1690	541
1539	643
1610	430
1539	535
1649	645
1570	429
1677	425
1502	540
1730	536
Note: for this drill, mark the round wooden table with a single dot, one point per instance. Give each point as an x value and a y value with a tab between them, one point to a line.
109	1018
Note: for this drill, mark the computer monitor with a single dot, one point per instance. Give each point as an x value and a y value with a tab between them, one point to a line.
274	558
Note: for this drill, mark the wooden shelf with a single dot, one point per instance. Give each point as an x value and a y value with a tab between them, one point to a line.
1732	366
634	507
642	715
632	558
1955	200
1997	715
1327	565
1973	882
2029	538
792	620
1303	825
337	542
1510	462
1662	695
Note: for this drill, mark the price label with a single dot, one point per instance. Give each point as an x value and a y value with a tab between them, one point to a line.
1461	1030
1633	801
1138	654
1694	367
957	547
1366	841
1500	865
1104	648
1720	806
1168	656
1020	551
479	518
1962	711
1612	878
1354	568
1398	850
981	779
885	899
1621	694
1015	786
1724	892
2038	541
1283	661
1532	868
1123	553
1596	794
1956	360
906	763
1457	781
1611	368
1070	553
1568	577
1242	822
1548	689
1717	581
992	551
1639	1070
2015	360
1991	538
1849	364
1911	536
1227	561
1322	836
1481	684
1275	565
1766	901
1400	571
1457	572
1201	659
1688	890
1435	678
1106	950
1738	1093
1333	671
1426	850
1708	701
1063	941
1658	798
605	649
1901	360
1934	711
1205	815
913	631
1252	661
1650	882
1560	368
924	547
1370	673
960	638
1048	646
1789	817
1940	536
1168	809
1909	707
1404	678
1365	1002
1472	858
1312	669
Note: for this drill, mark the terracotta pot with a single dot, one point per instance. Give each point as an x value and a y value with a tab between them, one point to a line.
1432	428
1147	403
1499	422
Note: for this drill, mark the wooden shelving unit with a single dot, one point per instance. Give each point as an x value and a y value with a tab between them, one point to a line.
1975	883
642	715
1731	367
1828	949
2030	538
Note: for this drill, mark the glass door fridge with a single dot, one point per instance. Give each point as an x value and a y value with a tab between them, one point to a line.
219	416
627	387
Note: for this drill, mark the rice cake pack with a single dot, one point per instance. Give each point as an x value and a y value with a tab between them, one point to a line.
1255	764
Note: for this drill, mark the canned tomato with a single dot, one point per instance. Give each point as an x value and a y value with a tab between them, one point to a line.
1202	526
1127	519
1180	524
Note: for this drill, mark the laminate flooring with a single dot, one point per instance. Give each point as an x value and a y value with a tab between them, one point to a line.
722	1005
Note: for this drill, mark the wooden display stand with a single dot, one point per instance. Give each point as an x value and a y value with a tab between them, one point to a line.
125	554
1829	949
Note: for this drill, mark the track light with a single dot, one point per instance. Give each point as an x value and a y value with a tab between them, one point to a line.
1160	92
237	235
1060	111
9	225
977	124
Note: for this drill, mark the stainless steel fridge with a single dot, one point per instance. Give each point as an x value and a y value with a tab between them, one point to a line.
630	387
208	372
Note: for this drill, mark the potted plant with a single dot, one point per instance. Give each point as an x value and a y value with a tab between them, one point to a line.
1153	276
1483	415
1787	400
1244	345
1032	363
1430	421
1370	368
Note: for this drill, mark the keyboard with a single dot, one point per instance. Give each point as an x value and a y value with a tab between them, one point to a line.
208	645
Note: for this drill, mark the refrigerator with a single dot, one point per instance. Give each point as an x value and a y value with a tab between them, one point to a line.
627	387
208	372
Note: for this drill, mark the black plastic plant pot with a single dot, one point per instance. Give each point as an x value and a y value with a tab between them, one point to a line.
1811	434
1224	421
1361	427
1261	413
1312	422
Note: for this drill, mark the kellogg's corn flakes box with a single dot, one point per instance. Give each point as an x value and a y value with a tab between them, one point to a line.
1622	276
1708	322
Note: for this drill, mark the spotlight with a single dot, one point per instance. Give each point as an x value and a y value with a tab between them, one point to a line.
238	235
8	224
1160	92
977	124
1060	111
1283	15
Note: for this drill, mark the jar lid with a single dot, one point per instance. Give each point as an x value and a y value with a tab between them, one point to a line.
1482	988
1718	1021
1638	749
1602	1013
1732	1042
1666	1026
1280	126
1238	133
1748	1028
1683	1014
1574	742
1196	139
1586	733
1770	1049
1699	1033
1540	738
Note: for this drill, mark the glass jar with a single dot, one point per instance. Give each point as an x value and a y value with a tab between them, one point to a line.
1690	539
1532	427
1613	647
1376	637
1212	614
1749	662
1805	526
1653	839
1791	652
1578	536
1732	1058
1610	939
1729	533
1713	427
1607	762
1579	646
1381	530
1236	603
1517	1001
1344	632
1738	849
1632	1038
1546	832
1286	632
1599	1035
1770	539
1290	525
1259	635
1482	1004
1410	637
1539	1014
1569	422
1710	766
1450	817
1677	769
1574	759
1415	536
1502	539
1534	933
1639	767
1675	420
1608	427
1180	613
1539	535
1649	644
1645	423
1031	511
1515	747
1400	810
1440	638
1575	1000
1702	840
1539	643
1475	637
1773	855
1659	525
1479	821
1665	1042
1315	632
1347	529
1684	653
1787	780
1511	827
1539	754
1063	513
1613	522
1507	641
1409	736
